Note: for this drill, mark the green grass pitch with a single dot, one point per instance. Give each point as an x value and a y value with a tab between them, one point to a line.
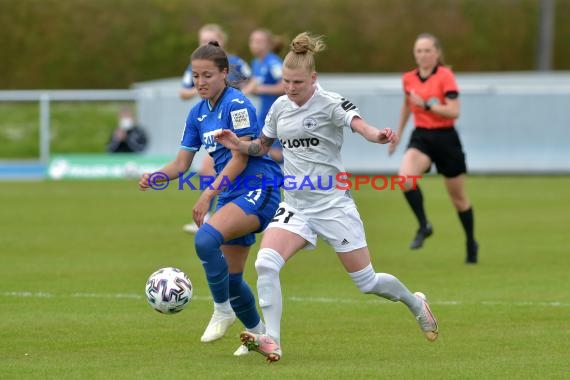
75	256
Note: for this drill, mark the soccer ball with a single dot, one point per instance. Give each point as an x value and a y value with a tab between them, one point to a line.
168	290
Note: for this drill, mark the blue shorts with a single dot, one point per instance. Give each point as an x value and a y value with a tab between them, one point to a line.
261	202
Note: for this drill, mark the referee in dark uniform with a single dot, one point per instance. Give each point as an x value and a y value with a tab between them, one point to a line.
432	96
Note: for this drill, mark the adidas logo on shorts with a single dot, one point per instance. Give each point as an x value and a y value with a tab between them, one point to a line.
344	242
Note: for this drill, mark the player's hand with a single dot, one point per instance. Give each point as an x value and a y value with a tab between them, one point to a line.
201	208
228	139
392	147
143	182
387	135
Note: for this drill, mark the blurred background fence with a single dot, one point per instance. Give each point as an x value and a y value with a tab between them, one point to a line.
513	120
509	123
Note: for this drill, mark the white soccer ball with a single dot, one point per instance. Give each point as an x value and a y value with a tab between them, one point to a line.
168	290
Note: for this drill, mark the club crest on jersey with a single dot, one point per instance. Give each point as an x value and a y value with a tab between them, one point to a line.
309	123
210	143
240	119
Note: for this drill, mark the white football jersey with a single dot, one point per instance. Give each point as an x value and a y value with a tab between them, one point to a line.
312	137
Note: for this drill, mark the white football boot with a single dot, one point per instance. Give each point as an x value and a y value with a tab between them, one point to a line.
218	326
426	319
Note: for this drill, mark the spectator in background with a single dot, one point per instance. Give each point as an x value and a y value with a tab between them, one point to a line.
432	96
240	72
127	137
266	77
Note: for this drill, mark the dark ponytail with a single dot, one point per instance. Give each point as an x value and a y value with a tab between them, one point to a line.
212	52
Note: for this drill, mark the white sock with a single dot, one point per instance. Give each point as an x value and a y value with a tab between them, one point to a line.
268	266
387	286
258	329
223	307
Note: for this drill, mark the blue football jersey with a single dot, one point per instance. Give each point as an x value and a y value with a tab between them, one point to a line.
267	71
233	111
239	71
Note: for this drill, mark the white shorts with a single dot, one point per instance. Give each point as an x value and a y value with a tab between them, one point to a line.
339	225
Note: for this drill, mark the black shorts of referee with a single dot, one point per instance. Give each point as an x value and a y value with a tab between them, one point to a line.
443	147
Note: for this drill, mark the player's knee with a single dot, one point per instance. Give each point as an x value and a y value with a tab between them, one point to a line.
368	287
460	202
268	260
365	280
208	240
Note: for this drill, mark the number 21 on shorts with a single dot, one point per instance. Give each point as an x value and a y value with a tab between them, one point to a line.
282	216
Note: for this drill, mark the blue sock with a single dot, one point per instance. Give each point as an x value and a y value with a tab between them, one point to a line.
207	242
243	301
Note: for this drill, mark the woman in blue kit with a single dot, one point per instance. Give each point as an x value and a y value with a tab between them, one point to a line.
240	73
267	70
243	209
266	77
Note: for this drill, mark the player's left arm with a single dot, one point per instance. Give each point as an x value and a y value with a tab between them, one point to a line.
229	173
235	166
372	134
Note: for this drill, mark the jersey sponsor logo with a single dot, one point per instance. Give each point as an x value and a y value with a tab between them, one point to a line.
210	143
309	123
300	143
347	105
201	118
240	119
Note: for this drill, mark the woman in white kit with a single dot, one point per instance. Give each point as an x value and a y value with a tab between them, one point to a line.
309	122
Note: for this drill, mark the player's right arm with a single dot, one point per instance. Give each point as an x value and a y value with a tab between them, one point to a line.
257	147
172	170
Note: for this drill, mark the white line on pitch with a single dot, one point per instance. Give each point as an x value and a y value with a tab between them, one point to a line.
292	298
